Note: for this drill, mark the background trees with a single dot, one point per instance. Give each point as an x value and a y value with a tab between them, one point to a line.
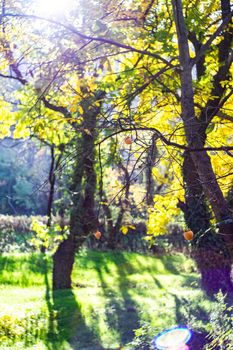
23	167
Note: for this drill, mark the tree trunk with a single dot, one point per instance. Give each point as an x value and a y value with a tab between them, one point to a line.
208	248
194	131
63	261
51	180
150	163
83	219
211	258
63	258
123	205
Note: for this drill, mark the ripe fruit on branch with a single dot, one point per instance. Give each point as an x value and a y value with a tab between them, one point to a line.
97	234
128	140
188	235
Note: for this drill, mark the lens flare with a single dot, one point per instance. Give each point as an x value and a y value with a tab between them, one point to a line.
174	338
53	7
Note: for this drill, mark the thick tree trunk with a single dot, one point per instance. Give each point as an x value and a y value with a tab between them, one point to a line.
63	258
208	249
212	260
194	131
90	220
83	219
63	261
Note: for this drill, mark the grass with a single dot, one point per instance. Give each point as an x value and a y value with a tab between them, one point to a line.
113	294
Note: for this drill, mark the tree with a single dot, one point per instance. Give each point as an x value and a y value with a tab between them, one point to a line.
208	249
197	108
83	218
23	166
217	274
195	128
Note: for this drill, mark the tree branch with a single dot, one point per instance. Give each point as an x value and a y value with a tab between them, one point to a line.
168	142
89	37
224	116
56	108
206	46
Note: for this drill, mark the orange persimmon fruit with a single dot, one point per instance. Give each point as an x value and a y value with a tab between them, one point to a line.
188	235
128	140
97	234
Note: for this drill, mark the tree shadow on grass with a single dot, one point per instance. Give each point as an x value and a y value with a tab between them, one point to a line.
121	310
169	264
192	282
187	311
67	328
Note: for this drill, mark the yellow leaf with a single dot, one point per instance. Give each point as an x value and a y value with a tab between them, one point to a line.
87	131
80	109
124	230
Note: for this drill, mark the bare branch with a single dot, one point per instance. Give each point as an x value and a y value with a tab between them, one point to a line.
56	108
168	142
224	116
89	37
206	46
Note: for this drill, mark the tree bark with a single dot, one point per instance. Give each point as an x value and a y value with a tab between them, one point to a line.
194	132
64	257
150	182
51	180
83	219
208	249
211	254
123	206
63	261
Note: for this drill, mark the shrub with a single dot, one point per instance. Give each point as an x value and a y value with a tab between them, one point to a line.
17	234
28	327
143	337
221	325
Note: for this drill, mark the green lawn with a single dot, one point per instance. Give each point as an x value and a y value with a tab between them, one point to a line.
113	294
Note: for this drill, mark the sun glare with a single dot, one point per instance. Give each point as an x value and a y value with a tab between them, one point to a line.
54	7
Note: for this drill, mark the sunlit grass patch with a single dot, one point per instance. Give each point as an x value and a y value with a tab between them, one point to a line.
113	293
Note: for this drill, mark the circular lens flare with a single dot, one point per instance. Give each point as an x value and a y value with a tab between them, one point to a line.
173	339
